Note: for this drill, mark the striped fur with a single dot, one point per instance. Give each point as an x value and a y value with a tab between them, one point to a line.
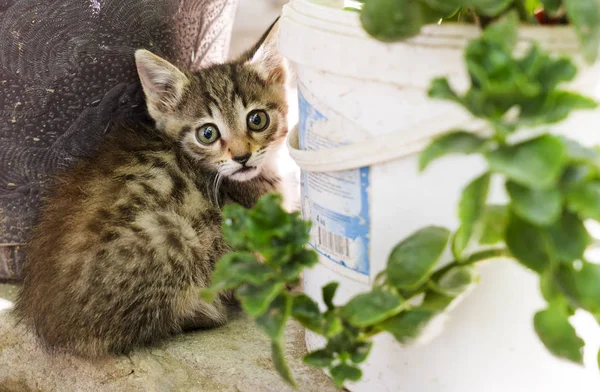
128	237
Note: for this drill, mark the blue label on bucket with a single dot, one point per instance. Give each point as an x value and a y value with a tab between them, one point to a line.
336	202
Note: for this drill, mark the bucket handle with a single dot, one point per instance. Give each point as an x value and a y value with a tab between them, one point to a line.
380	149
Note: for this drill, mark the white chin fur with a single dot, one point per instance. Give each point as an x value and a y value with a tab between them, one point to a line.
245	176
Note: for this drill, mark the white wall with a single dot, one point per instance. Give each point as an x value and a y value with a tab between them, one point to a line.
252	19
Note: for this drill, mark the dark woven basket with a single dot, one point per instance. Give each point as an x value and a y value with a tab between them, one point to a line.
67	71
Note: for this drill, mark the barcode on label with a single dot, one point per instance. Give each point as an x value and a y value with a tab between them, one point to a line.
335	244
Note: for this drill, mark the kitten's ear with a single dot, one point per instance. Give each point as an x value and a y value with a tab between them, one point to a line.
265	56
162	82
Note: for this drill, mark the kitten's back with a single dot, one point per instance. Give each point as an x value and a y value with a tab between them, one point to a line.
116	260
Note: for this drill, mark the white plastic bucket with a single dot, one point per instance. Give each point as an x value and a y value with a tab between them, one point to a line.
364	116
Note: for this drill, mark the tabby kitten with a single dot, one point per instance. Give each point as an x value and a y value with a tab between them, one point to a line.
129	236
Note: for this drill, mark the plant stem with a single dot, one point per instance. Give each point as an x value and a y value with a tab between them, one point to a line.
472	259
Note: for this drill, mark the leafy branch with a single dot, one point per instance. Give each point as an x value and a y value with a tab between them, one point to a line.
271	253
396	20
553	185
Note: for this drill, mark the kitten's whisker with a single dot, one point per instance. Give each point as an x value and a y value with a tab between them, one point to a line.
214	184
217	185
207	186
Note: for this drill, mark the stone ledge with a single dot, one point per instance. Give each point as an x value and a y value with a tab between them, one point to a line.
233	358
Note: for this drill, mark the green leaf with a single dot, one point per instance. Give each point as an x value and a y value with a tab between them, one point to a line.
494	221
305	258
266	229
577	153
412	260
280	363
529	244
237	268
274	233
455	142
332	324
431	15
290	272
538	206
470	210
505	30
440	89
407	325
351	9
436	302
582	286
536	163
457	280
256	299
460	240
344	341
273	320
585	16
328	294
573	176
551	6
371	308
343	372
569	238
493	8
548	287
307	312
553	328
269	208
319	358
496	78
555	70
444	6
392	20
360	352
235	223
585	199
556	107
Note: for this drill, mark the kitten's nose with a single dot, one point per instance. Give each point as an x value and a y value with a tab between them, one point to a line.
242	159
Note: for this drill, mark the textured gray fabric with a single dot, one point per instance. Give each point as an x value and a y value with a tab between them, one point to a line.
67	71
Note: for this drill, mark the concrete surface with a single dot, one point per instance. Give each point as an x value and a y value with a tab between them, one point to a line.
232	358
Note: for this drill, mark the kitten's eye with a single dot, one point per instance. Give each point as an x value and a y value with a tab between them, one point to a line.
208	134
258	120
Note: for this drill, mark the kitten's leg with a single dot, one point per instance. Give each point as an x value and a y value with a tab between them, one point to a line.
204	315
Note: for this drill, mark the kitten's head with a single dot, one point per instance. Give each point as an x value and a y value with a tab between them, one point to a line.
230	118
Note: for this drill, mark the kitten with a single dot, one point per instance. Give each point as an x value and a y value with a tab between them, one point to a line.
129	236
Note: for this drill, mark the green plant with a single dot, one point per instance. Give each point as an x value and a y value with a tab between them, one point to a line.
549	179
394	20
280	239
553	186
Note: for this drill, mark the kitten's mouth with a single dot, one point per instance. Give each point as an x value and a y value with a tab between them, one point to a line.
245	169
244	173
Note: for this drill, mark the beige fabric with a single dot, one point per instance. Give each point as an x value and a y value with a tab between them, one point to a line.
66	71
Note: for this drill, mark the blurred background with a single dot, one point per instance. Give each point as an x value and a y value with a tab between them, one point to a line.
253	17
